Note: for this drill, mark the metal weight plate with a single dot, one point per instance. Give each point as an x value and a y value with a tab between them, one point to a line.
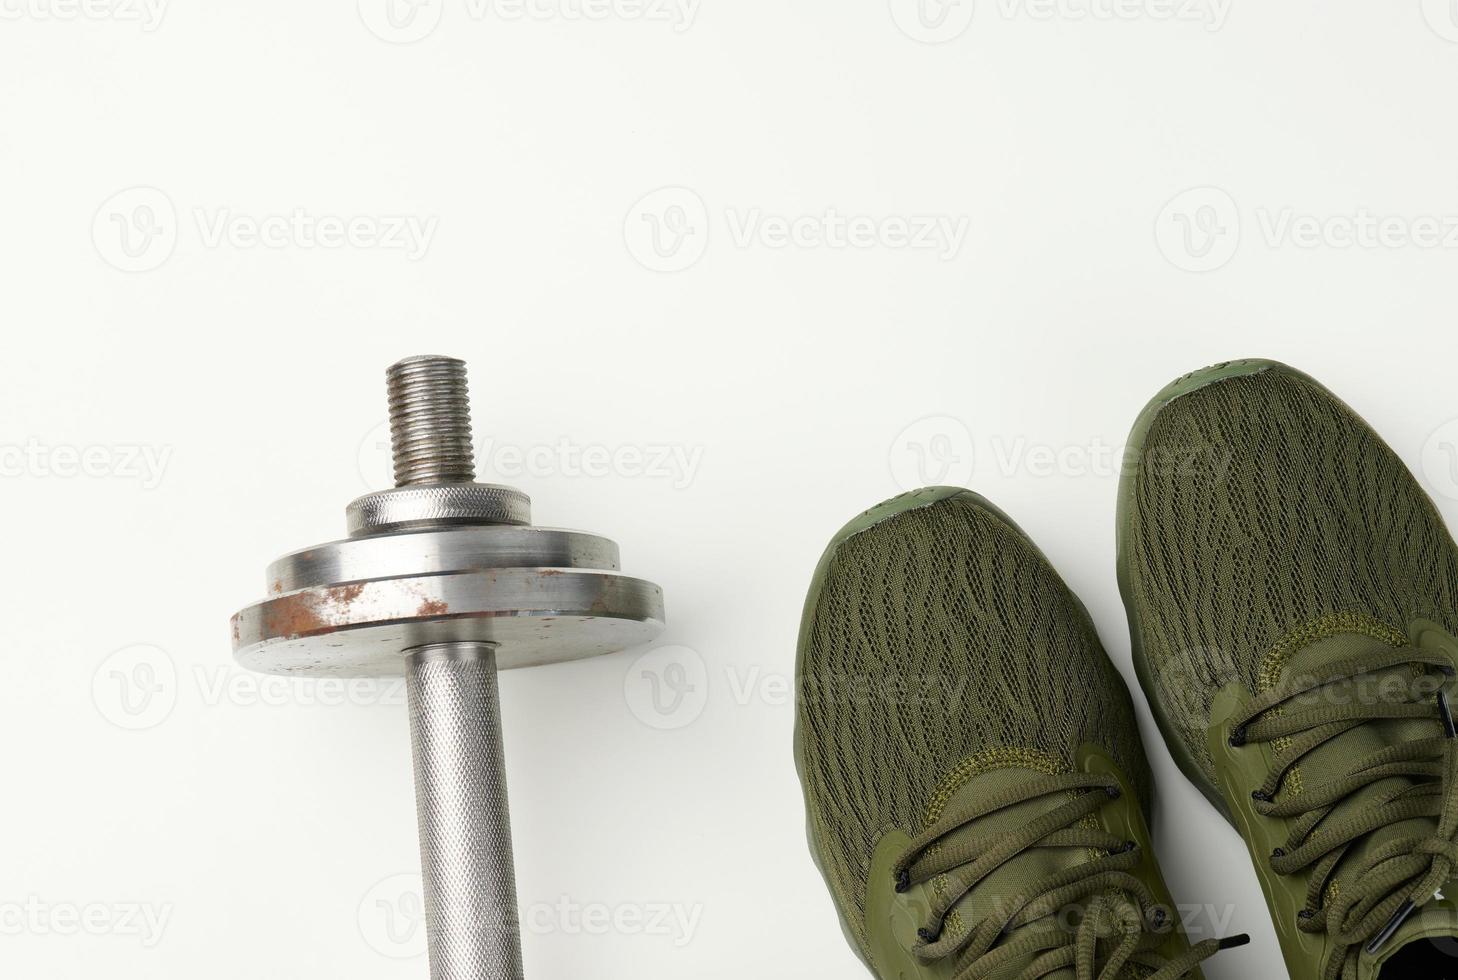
534	616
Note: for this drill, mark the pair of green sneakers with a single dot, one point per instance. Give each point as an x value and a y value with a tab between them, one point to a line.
977	792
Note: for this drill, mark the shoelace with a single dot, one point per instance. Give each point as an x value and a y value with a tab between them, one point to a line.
1114	902
1399	876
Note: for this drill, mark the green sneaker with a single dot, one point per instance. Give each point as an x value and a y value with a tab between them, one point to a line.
976	791
1293	595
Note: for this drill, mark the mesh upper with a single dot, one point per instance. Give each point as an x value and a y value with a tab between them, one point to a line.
938	635
1262	504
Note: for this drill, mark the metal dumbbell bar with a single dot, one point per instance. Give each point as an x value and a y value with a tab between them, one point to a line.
444	581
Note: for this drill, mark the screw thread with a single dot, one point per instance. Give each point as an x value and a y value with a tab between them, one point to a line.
430	421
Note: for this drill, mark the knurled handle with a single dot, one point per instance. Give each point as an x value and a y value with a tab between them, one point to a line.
465	824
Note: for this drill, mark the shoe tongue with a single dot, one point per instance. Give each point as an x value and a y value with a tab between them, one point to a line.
994	895
1334	758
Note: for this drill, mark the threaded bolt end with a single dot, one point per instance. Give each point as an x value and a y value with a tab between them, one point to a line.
430	421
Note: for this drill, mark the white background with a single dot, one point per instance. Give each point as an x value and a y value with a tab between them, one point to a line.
1140	188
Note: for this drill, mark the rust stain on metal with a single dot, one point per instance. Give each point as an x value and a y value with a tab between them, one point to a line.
293	616
433	607
307	613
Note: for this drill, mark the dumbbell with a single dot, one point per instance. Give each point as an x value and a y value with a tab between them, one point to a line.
445	581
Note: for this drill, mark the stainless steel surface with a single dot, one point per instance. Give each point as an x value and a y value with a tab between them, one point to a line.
465	823
445	503
430	421
360	629
442	581
462	549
